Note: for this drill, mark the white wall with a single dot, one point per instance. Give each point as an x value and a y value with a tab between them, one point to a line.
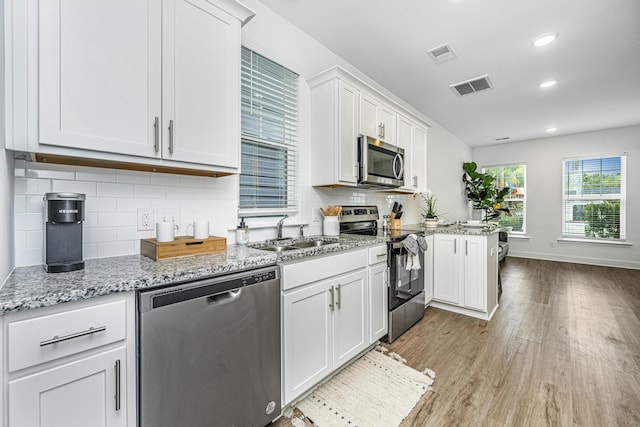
544	158
114	195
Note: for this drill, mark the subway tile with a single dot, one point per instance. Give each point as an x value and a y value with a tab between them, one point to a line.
29	221
100	204
168	179
192	181
19	203
84	173
19	168
35	239
117	219
204	193
149	191
132	205
107	189
32	186
109	249
127	233
29	256
87	188
50	171
91	219
133	177
35	204
179	193
20	237
90	250
100	235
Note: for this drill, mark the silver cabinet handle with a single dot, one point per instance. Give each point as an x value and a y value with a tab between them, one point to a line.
332	299
415	181
380	130
156	134
118	385
455	245
357	168
381	255
466	247
57	339
384	130
171	136
339	301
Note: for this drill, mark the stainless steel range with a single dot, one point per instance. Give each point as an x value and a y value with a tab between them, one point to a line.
406	287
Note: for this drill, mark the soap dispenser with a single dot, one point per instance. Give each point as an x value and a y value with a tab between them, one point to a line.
242	233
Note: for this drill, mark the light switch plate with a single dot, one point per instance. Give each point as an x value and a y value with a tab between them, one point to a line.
315	214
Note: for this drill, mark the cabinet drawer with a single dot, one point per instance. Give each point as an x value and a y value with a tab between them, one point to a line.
313	270
41	339
378	254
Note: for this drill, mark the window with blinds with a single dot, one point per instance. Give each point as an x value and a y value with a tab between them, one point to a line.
594	198
514	177
269	120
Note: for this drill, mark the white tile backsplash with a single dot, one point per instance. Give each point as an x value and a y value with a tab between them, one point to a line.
87	188
107	189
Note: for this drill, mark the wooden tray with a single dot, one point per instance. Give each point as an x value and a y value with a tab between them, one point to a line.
182	246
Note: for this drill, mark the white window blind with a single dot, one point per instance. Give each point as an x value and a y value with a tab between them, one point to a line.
269	117
514	177
594	198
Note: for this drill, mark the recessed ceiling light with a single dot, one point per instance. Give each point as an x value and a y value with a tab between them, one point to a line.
548	83
552	129
545	39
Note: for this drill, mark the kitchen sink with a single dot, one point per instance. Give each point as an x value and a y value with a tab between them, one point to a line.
292	245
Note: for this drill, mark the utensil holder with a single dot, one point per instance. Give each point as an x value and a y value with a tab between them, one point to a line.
331	226
394	223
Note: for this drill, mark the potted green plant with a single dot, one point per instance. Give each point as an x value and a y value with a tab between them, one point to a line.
429	214
482	192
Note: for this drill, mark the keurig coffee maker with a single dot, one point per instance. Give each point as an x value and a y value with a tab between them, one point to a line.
63	232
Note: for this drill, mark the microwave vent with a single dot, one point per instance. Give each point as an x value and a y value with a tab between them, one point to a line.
442	54
474	85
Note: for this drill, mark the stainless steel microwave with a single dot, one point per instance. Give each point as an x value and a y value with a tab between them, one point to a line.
381	164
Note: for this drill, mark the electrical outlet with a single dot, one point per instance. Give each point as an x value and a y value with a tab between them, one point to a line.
145	219
315	214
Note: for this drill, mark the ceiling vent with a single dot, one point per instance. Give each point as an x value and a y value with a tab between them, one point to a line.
503	138
472	86
442	54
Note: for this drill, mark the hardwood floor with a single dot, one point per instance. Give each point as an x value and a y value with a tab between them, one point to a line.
562	349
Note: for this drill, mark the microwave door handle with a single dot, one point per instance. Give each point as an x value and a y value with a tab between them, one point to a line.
398	166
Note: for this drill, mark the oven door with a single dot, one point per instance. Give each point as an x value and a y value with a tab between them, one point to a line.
403	284
381	164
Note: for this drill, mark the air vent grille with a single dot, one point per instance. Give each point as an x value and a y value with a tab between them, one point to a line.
442	54
474	85
503	138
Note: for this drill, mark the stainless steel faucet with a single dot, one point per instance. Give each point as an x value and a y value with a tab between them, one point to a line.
279	227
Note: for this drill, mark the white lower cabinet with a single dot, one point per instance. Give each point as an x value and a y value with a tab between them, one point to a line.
325	323
465	273
72	364
378	293
428	270
86	392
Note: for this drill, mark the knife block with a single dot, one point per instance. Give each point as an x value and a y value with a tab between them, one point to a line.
394	223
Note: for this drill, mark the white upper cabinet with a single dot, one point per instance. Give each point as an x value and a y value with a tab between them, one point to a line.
412	137
100	89
377	119
140	81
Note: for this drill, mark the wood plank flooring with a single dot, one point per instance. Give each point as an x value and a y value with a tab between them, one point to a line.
562	349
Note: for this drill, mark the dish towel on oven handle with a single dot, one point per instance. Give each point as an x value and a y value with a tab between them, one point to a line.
414	243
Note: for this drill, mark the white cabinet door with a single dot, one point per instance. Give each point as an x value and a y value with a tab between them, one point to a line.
201	84
100	74
428	270
79	394
350	332
369	123
378	309
418	159
348	97
475	273
387	116
308	347
446	268
404	140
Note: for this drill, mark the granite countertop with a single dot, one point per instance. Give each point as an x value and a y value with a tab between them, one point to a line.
465	230
32	287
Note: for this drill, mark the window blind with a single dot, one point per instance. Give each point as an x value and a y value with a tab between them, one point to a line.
269	132
594	198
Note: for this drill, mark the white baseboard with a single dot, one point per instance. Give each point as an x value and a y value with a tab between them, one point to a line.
604	262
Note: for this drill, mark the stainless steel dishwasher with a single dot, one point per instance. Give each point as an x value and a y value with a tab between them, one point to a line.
209	352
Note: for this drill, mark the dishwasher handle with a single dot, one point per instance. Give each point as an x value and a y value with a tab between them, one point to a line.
224	297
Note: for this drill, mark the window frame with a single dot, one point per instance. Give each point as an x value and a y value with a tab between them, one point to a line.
293	157
509	199
622	197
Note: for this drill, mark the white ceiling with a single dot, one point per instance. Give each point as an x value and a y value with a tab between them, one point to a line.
596	59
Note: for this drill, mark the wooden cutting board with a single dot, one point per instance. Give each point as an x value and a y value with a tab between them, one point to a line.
182	246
